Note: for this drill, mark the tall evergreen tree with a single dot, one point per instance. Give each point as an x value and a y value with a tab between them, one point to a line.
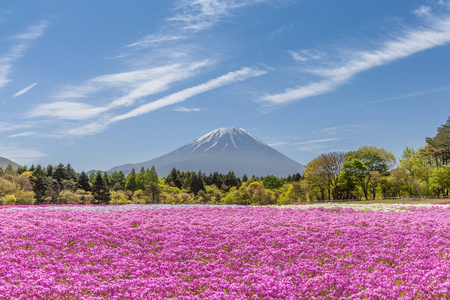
118	180
60	173
10	169
173	178
106	179
153	175
153	190
100	191
83	182
131	184
140	179
49	170
70	173
40	183
196	184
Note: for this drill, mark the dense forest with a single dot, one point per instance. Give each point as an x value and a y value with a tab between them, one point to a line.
366	173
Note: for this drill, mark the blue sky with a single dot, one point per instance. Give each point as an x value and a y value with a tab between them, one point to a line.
102	83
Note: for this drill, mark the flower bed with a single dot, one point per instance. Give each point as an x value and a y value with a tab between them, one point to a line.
224	253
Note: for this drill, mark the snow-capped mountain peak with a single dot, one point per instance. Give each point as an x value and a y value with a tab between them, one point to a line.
223	139
223	150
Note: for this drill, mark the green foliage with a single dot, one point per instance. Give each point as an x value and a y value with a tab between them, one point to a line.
438	147
272	182
289	196
441	180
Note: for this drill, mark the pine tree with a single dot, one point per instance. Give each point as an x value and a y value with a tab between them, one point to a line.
106	179
196	184
70	173
131	184
174	179
9	169
83	182
49	170
40	183
153	175
100	191
153	190
22	170
140	179
244	178
60	173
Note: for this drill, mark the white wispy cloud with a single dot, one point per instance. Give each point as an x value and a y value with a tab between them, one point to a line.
306	55
341	129
229	78
24	90
405	44
20	155
178	97
185	109
16	51
135	85
67	110
409	95
316	145
196	15
277	144
193	16
11	127
22	134
317	141
423	11
33	32
156	39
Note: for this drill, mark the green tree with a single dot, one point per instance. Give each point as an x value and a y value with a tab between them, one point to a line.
174	179
354	174
141	179
373	159
117	180
131	184
196	184
441	179
107	180
83	182
272	182
411	161
100	191
60	173
153	191
439	145
317	179
9	169
153	176
40	183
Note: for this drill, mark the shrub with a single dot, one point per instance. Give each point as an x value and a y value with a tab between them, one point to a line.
9	200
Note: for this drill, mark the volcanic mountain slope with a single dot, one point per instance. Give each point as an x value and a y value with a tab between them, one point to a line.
223	150
4	162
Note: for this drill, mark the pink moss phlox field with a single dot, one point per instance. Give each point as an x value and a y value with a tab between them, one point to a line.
225	253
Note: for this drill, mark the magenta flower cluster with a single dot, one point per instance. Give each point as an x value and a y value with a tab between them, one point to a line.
225	253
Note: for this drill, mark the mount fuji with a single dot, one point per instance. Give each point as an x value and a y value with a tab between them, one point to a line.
223	150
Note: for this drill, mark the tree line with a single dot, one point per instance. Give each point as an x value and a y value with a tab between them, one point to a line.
366	173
